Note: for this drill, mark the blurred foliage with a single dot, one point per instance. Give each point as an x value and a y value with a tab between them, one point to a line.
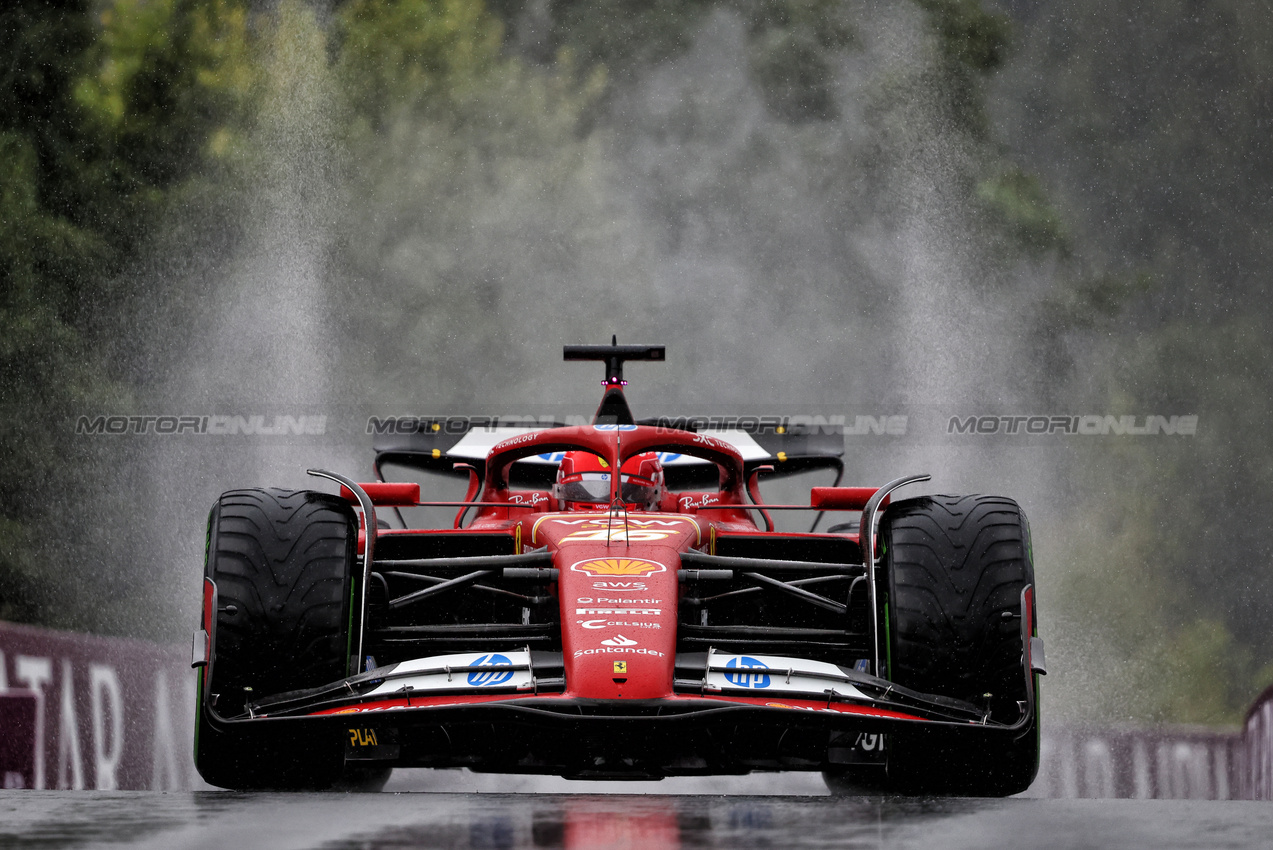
1173	581
478	150
473	171
1149	130
105	109
973	43
132	129
971	36
395	54
620	35
1021	208
171	84
792	42
794	45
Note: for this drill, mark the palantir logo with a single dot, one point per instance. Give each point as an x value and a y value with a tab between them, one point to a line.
745	678
497	675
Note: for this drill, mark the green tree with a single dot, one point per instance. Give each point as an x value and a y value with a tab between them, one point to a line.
106	112
1147	127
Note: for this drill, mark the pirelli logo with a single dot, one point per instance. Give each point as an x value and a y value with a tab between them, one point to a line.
630	611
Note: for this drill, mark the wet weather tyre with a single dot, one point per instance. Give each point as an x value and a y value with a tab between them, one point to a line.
956	567
282	562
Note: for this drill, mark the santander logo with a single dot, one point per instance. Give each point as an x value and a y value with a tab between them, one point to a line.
619	640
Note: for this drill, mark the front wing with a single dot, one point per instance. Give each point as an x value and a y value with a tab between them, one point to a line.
730	714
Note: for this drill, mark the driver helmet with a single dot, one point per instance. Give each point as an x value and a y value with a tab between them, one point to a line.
583	482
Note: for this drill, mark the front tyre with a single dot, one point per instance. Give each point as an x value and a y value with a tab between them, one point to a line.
956	567
282	562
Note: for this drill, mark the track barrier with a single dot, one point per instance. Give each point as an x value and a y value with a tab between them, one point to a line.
108	713
82	711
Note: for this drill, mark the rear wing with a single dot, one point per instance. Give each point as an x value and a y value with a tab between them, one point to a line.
788	444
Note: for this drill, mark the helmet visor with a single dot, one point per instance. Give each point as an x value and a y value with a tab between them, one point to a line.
638	491
586	487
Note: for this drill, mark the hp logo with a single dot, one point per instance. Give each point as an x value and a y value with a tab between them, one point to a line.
747	678
496	675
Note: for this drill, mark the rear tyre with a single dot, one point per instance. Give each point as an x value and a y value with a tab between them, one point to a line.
956	567
282	562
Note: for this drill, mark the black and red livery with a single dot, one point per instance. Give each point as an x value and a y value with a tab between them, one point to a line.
896	651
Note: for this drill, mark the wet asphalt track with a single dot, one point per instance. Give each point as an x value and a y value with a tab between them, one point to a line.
231	821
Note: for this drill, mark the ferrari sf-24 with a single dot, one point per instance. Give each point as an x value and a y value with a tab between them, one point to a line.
614	600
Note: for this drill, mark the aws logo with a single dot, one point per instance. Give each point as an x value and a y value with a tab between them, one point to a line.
618	567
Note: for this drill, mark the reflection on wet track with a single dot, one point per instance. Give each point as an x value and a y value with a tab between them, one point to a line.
651	822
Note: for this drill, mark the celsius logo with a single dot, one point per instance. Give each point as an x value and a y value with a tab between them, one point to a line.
501	671
618	567
602	624
746	678
619	640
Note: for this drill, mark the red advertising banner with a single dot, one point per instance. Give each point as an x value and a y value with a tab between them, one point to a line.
110	713
17	739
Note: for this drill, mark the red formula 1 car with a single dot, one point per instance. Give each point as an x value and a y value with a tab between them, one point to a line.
610	601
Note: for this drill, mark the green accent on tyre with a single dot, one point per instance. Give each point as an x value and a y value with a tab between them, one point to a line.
349	631
1038	711
1029	540
888	641
198	682
199	710
198	716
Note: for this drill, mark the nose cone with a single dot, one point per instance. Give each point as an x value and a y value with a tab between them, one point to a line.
619	595
619	623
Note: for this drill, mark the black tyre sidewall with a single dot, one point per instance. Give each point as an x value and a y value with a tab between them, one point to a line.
284	559
955	567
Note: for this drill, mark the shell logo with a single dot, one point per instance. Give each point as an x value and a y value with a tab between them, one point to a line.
618	567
